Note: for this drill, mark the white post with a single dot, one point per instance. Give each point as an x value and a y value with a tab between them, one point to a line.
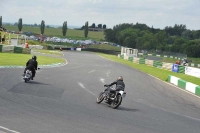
17	39
9	38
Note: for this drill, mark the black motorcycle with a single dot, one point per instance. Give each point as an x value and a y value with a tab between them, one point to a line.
28	75
113	98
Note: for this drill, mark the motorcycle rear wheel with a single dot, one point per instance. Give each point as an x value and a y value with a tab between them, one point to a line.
116	102
100	98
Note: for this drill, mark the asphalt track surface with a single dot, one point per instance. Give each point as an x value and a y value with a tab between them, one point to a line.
63	100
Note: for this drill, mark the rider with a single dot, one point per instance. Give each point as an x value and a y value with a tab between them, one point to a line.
31	65
119	85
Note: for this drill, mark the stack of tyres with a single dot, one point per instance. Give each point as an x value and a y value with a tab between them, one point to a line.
157	64
181	69
1	48
130	59
18	49
142	61
122	56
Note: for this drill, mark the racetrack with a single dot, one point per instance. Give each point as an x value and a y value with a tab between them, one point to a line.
62	99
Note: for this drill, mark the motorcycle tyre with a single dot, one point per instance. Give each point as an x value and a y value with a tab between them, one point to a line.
114	106
98	98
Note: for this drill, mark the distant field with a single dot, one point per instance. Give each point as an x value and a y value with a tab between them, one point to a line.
75	34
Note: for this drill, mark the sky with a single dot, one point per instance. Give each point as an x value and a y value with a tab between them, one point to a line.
156	13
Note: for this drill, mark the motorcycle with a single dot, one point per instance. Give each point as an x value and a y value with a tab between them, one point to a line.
114	98
28	75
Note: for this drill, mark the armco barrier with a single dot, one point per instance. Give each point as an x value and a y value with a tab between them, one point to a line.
193	88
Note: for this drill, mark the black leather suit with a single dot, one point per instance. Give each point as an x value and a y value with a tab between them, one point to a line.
119	86
31	65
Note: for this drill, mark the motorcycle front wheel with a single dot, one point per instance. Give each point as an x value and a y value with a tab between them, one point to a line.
116	102
100	98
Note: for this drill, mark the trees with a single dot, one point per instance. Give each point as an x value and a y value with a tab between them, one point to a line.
42	26
0	21
99	25
20	25
104	26
86	29
64	28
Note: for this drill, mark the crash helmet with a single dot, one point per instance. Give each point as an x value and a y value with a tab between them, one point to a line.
34	57
120	78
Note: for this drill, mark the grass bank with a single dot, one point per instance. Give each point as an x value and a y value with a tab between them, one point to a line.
11	59
71	33
157	72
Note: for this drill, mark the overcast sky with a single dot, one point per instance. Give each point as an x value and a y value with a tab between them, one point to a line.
159	13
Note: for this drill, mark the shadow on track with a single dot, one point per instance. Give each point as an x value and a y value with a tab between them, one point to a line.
127	109
35	82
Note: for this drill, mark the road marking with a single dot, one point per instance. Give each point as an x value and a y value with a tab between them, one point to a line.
92	71
6	129
153	106
107	74
102	80
73	67
82	86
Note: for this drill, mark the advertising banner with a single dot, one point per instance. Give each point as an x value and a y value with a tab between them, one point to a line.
192	71
175	68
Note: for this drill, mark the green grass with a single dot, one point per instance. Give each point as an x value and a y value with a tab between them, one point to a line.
11	59
105	46
194	60
168	60
53	52
71	33
159	73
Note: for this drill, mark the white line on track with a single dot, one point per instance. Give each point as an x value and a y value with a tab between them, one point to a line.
82	86
107	74
73	67
91	71
102	80
6	129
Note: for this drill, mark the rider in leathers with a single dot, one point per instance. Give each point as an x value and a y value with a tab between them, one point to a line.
119	85
31	65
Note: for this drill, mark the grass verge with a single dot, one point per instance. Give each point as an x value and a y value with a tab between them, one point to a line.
11	59
157	72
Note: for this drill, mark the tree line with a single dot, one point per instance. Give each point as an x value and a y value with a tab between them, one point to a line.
140	36
42	27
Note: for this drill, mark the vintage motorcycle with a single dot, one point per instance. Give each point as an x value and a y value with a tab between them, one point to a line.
113	98
28	75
